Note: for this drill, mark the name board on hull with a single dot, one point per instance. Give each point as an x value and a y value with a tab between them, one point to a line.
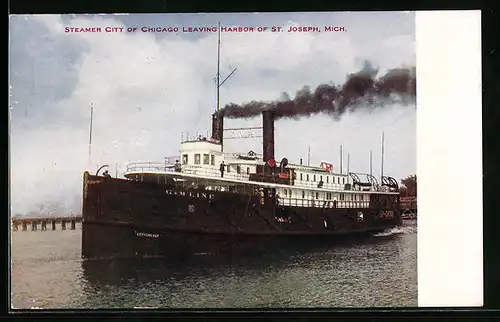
200	195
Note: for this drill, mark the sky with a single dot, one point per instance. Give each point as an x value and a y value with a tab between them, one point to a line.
148	88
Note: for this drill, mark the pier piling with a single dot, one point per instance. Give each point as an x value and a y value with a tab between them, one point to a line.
44	223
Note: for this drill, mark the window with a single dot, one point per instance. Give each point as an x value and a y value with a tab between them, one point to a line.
317	195
212	159
320	178
303	194
228	168
307	177
338	180
197	158
248	170
301	176
206	159
290	193
343	180
286	192
314	178
184	159
294	176
327	178
238	169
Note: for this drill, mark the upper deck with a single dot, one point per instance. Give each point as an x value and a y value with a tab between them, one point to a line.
202	160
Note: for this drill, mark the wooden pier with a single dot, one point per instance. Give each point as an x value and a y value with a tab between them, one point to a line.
45	223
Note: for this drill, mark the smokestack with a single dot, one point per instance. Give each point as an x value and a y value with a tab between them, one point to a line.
214	126
268	134
217	127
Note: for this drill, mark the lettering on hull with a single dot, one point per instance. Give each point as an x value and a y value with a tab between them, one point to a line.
386	214
94	181
147	235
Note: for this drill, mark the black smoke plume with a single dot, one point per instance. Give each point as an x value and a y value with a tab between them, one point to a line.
361	87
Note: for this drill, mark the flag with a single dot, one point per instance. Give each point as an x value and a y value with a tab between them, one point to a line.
327	166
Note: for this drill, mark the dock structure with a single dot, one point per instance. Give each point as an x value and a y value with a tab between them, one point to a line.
408	207
43	221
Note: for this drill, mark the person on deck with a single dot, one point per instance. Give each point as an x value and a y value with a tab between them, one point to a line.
222	169
177	166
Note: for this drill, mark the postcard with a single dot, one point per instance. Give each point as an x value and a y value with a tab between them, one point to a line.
242	160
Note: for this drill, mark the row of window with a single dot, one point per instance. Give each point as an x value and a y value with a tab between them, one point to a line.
329	195
207	159
238	169
321	178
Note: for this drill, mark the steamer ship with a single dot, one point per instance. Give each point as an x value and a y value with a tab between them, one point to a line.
208	201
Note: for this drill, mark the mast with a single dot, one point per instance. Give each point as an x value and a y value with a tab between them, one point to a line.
219	84
370	163
309	156
348	160
341	157
90	131
218	70
382	161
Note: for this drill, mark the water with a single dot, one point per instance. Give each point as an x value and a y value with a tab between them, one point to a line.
47	272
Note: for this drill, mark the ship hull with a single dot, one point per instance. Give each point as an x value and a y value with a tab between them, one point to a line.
123	218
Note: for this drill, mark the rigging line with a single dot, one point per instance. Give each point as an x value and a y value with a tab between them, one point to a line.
398	118
227	59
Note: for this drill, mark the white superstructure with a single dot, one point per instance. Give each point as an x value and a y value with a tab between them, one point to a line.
309	186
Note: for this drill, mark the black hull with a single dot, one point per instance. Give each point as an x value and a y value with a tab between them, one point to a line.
123	218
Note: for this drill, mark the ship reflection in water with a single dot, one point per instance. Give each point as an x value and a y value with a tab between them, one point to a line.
380	271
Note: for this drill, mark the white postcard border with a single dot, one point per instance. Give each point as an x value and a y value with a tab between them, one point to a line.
449	158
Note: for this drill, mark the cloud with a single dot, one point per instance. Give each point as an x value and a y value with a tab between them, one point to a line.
148	88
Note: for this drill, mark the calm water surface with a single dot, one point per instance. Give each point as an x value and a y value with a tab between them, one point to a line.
47	272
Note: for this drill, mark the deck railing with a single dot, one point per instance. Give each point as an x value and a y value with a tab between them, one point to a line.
317	203
148	166
214	173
